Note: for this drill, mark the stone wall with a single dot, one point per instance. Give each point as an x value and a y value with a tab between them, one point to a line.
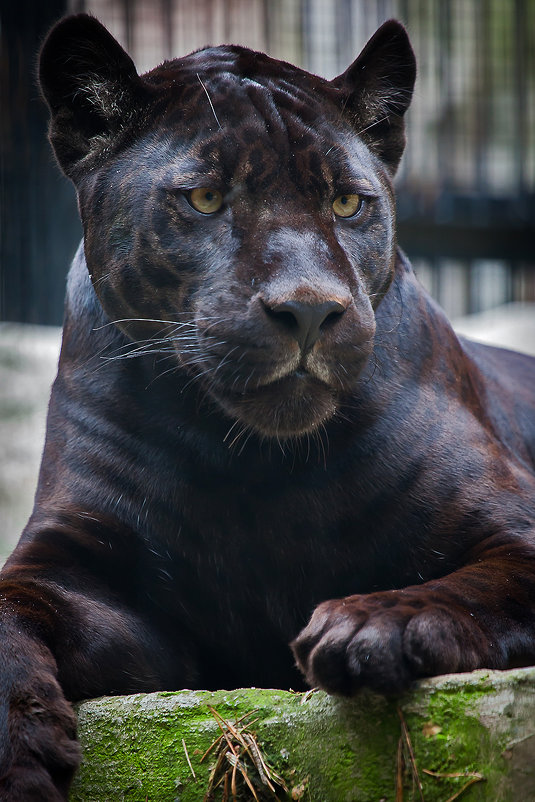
469	731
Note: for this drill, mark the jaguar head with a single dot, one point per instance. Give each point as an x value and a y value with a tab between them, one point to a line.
238	212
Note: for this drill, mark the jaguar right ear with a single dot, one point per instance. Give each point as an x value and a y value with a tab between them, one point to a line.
376	90
92	88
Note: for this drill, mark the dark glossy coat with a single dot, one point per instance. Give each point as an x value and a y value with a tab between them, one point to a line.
258	412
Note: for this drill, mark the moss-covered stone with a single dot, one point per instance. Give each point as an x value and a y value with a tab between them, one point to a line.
446	733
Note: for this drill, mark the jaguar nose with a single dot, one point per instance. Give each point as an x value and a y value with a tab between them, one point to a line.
304	321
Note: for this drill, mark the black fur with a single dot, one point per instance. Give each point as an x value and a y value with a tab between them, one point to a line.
259	414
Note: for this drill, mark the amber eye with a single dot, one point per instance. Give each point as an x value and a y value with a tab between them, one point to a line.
206	200
347	205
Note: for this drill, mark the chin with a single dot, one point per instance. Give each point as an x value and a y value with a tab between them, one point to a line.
285	409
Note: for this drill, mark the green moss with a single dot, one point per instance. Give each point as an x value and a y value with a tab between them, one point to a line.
146	748
449	740
452	733
153	763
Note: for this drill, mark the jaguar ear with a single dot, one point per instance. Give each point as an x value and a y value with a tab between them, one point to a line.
376	90
92	88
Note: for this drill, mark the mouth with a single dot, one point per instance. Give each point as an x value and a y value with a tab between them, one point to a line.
289	407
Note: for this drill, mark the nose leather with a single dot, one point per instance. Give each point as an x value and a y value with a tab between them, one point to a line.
304	320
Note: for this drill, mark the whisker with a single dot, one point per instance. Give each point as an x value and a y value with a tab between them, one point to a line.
236	422
135	320
209	101
250	433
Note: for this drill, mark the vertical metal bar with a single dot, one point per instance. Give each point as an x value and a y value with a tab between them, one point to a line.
343	26
403	10
483	121
306	32
227	12
436	281
268	12
167	22
473	294
443	39
510	289
128	20
520	49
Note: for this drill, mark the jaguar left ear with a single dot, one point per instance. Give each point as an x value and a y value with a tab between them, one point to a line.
93	91
376	90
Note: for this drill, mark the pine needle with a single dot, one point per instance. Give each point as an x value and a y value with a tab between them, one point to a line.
472	777
240	764
400	766
187	758
412	760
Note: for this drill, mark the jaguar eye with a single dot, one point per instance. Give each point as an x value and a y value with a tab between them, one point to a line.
206	200
347	205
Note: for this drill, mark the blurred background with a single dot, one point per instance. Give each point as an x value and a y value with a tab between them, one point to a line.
465	189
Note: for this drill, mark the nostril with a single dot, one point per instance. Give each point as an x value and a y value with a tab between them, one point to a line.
333	316
284	316
304	321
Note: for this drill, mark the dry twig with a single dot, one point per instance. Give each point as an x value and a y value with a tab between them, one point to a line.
187	758
400	767
405	742
471	776
412	760
239	762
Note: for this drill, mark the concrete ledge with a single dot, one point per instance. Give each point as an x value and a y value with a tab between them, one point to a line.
469	731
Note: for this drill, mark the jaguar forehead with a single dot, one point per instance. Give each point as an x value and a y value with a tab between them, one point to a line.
212	84
257	141
232	61
245	117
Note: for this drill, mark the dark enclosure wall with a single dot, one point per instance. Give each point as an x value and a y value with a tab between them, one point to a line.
466	188
39	227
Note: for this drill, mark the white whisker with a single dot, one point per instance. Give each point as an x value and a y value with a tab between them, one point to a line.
209	101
